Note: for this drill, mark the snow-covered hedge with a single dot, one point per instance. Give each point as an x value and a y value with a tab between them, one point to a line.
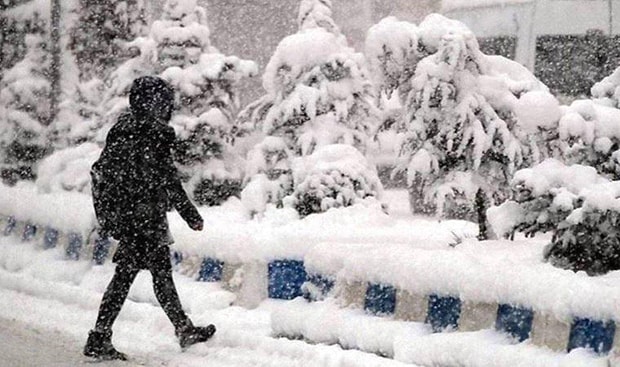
589	239
543	196
581	207
334	176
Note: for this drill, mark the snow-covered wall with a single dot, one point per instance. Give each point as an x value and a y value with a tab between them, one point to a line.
528	19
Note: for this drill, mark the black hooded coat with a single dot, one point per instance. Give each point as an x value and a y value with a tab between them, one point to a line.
137	157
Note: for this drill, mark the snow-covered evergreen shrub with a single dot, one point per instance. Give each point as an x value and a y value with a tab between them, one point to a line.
101	29
178	49
542	197
25	111
463	130
78	115
18	20
60	112
333	176
589	238
392	50
318	90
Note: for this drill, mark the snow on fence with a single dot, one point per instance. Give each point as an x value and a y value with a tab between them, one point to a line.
352	266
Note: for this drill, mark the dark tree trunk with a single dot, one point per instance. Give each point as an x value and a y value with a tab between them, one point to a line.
481	205
55	65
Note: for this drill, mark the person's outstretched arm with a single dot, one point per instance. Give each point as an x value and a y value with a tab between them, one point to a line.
176	194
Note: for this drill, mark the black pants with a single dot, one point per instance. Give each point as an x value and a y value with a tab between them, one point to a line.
117	291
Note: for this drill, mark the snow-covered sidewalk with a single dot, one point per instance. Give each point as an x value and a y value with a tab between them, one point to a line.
25	346
50	304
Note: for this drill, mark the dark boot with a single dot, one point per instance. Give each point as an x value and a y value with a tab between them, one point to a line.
190	334
99	345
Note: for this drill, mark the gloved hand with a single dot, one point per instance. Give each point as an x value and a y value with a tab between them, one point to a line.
197	225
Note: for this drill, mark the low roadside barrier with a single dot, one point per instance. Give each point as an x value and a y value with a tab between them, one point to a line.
445	303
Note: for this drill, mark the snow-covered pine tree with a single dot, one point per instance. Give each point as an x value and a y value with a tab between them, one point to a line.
103	26
206	81
178	49
392	51
25	111
462	126
19	18
318	91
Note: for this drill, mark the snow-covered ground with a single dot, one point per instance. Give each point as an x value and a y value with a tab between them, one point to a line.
48	304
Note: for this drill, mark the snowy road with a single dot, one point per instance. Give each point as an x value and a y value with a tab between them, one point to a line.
47	306
23	346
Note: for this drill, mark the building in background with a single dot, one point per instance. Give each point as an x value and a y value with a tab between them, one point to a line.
569	44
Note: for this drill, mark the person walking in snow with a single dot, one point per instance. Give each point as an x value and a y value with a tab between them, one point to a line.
134	184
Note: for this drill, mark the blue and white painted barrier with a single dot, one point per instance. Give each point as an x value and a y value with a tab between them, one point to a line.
287	279
450	313
74	243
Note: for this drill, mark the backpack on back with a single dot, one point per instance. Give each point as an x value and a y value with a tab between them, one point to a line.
105	193
118	177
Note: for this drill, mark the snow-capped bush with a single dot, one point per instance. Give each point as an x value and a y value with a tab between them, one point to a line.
68	169
25	110
543	196
318	91
536	110
589	238
333	176
469	122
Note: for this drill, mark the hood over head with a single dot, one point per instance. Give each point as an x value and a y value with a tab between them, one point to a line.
151	98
